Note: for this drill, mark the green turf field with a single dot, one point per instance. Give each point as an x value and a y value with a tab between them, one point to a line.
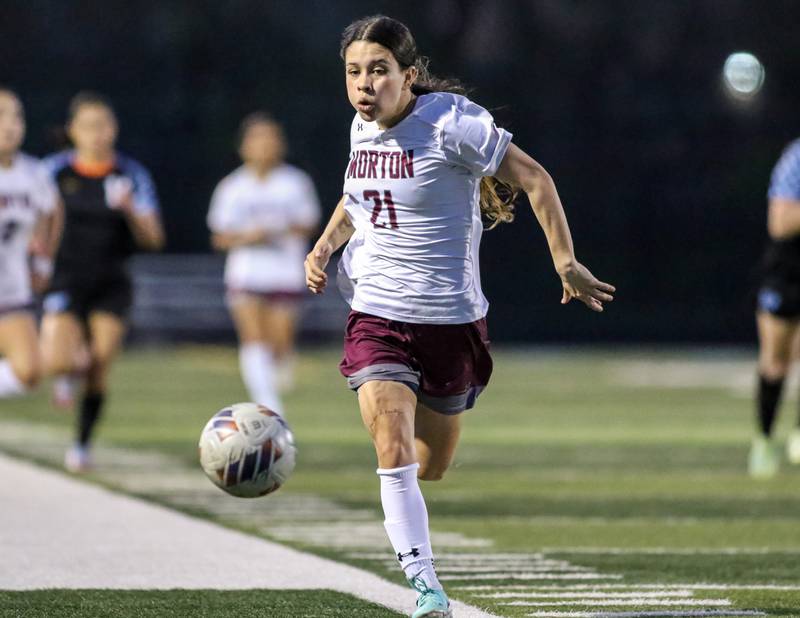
605	483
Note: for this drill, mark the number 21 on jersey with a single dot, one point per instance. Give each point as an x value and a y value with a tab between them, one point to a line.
379	203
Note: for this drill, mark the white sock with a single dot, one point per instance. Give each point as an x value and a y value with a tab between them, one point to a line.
284	373
406	522
10	386
258	372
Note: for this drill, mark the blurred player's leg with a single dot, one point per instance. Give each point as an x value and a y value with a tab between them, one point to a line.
436	440
256	359
65	355
20	368
775	337
106	332
387	409
279	326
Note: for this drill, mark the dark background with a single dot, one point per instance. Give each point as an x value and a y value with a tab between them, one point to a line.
662	175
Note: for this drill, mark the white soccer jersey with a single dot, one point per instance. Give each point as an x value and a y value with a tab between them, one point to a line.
242	202
26	192
412	193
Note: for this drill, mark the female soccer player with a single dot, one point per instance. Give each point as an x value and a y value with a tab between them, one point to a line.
110	209
424	165
263	214
778	310
28	233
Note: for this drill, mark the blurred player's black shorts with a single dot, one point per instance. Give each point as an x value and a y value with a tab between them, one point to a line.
84	296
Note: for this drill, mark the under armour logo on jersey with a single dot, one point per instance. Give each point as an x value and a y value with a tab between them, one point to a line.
360	126
414	552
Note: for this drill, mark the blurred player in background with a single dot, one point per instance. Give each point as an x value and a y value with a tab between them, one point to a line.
778	311
263	214
29	221
111	209
425	164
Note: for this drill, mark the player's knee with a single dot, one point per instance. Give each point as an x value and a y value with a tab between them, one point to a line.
393	450
29	375
774	368
431	471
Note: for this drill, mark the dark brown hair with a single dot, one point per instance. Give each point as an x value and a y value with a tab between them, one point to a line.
87	97
497	198
255	118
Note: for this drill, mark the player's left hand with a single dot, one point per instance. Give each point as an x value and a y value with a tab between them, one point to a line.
578	282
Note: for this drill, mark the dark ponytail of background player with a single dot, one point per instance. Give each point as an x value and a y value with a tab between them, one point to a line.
497	197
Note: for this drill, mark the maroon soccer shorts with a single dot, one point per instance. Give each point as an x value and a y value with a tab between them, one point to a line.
447	365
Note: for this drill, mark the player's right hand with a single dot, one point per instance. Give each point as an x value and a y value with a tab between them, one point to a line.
315	264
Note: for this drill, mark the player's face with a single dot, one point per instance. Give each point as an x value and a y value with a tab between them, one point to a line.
93	130
262	145
378	88
12	124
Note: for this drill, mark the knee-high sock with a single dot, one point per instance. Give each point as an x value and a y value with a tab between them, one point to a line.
258	372
91	409
406	522
10	385
769	396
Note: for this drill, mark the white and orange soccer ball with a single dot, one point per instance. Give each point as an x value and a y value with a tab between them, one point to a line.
247	450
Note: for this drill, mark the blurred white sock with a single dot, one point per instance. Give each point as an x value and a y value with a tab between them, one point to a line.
64	387
406	522
10	386
284	375
258	372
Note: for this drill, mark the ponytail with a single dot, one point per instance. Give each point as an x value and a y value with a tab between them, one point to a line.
496	197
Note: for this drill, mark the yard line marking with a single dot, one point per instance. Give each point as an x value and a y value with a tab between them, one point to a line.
734	587
443	567
585	594
662	614
676	551
455	556
621	602
524	576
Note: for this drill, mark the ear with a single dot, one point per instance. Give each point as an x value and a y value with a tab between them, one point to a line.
410	77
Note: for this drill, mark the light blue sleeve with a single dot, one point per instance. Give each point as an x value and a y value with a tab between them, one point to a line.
785	180
145	198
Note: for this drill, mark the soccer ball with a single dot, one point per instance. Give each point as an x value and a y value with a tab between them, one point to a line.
247	450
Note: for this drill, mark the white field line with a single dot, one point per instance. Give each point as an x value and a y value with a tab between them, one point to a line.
457	556
586	594
726	613
623	602
531	576
57	532
672	551
701	586
443	567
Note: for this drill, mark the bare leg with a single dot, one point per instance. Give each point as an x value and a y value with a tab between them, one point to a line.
436	440
19	345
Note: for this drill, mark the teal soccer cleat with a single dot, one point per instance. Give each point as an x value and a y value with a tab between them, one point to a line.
430	603
764	458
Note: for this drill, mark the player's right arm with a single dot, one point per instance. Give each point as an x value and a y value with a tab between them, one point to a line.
337	233
783	216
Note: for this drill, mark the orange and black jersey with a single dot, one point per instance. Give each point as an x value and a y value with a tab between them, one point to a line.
97	239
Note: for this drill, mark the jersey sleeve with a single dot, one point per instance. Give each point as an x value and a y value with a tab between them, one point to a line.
471	138
218	219
145	198
785	181
46	191
306	212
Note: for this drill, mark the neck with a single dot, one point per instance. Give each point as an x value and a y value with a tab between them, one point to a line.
261	170
7	159
406	107
94	158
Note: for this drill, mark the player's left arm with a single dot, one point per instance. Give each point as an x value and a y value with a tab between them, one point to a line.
520	170
44	245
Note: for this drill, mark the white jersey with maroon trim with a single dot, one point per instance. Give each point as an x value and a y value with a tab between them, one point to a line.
285	198
26	193
412	193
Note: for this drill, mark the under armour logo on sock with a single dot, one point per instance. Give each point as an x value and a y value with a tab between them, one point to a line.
414	553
